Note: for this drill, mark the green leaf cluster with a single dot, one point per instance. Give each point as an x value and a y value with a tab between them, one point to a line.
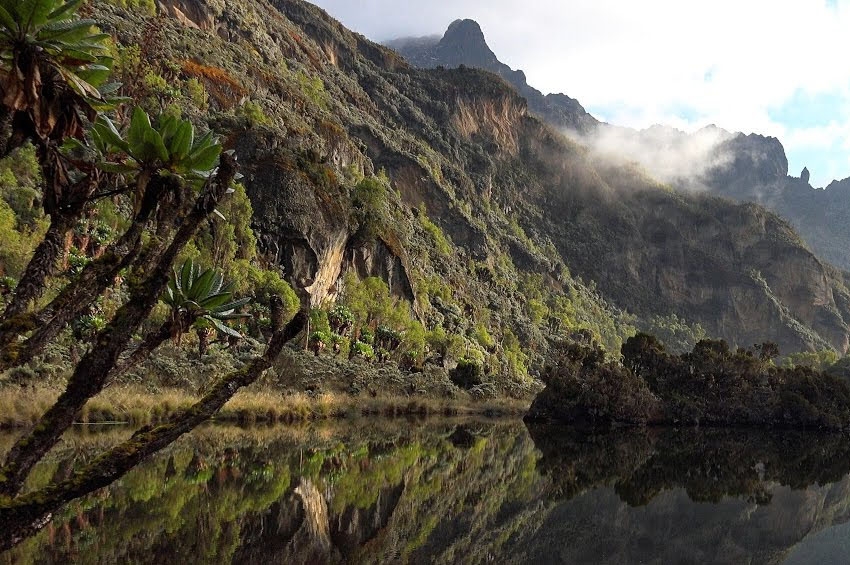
203	297
75	47
170	145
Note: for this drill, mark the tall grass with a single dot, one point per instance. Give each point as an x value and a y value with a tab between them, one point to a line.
134	405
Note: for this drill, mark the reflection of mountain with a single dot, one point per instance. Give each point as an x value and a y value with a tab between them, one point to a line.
447	494
673	529
641	496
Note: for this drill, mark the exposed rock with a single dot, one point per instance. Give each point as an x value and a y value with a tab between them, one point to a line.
464	44
805	175
191	13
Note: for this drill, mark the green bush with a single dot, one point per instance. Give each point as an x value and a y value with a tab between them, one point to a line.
253	113
363	351
467	374
583	388
146	7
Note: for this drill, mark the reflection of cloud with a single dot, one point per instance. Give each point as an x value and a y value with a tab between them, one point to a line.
670	155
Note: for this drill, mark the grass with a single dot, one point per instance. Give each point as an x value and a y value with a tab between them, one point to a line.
22	406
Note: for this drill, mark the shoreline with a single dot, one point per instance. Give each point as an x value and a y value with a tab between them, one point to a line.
21	407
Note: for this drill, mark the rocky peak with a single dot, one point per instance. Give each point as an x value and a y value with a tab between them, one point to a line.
805	175
464	44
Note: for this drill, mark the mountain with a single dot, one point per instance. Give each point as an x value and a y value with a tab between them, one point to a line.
760	174
494	228
464	44
750	168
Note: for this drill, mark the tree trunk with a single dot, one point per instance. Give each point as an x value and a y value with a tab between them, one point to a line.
65	202
93	370
96	277
29	513
203	340
41	266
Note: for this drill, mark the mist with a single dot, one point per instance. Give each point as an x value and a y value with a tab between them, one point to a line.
670	155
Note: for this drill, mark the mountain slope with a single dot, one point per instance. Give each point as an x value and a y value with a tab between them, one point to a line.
464	44
750	168
440	182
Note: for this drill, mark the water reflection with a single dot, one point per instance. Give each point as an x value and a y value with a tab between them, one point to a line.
455	492
709	464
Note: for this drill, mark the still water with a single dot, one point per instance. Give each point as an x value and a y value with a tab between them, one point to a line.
451	491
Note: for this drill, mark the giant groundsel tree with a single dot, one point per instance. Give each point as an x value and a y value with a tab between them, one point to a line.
52	64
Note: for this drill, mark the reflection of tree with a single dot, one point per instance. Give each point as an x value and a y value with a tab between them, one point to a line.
392	496
708	463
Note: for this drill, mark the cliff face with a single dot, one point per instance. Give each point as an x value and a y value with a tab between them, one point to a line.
464	44
463	154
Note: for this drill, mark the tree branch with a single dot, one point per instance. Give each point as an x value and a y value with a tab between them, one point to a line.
29	513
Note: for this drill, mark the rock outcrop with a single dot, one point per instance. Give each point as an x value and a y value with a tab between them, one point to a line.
464	44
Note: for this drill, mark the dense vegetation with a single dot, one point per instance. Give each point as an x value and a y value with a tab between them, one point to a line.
425	225
163	180
711	385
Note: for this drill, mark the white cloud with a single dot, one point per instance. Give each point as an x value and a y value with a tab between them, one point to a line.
687	64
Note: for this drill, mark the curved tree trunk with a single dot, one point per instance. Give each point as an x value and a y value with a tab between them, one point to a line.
92	371
29	513
78	296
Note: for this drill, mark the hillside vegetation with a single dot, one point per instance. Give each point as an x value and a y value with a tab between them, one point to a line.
425	215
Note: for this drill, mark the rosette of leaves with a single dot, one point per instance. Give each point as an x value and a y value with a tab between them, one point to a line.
340	344
51	65
387	338
340	319
201	300
145	149
170	145
363	350
318	341
87	326
366	336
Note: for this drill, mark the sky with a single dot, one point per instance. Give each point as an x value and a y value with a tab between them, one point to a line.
774	67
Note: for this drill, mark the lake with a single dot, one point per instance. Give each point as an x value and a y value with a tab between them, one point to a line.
456	491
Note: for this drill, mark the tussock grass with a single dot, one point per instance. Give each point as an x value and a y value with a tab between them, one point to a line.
23	406
133	405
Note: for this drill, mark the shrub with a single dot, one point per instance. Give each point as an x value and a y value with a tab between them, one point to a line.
467	374
583	388
363	351
341	319
253	113
710	385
